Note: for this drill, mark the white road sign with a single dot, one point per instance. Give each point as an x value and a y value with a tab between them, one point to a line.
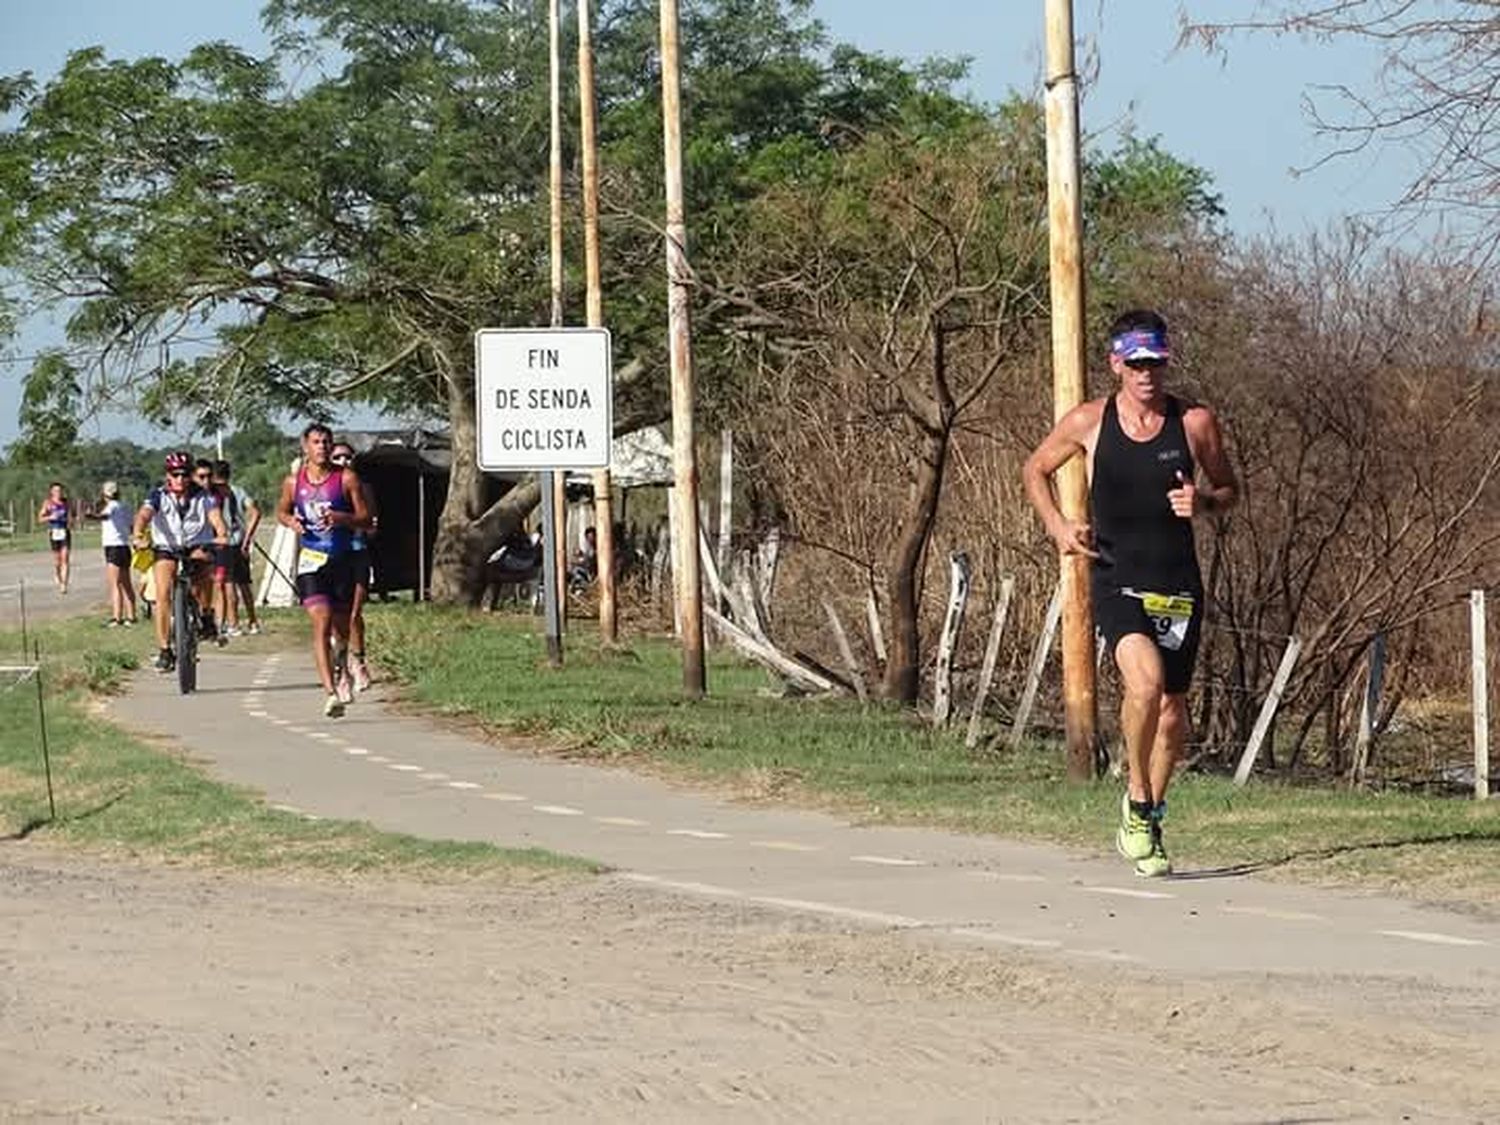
545	398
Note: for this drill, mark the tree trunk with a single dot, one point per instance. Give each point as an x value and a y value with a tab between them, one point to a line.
468	533
902	670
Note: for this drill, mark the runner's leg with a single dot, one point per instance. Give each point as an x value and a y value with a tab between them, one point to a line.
1171	736
321	616
1141	676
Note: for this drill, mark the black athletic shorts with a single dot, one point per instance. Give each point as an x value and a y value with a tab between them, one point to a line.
239	572
117	556
59	544
1119	613
332	584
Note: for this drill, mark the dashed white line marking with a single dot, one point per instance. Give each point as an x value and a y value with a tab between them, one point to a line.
557	810
504	797
464	785
1008	877
281	722
1003	939
621	821
887	861
299	730
697	834
1267	912
899	921
1104	955
1430	938
404	768
258	714
434	776
379	759
784	846
321	736
357	751
1125	892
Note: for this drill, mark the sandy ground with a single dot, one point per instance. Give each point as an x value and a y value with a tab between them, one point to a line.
130	993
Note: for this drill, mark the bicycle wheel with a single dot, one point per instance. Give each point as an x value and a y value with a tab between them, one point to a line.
185	631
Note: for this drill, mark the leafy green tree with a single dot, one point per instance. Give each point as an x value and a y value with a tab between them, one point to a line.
232	234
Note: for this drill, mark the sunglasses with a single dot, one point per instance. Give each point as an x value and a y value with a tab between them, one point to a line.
341	458
177	474
1145	364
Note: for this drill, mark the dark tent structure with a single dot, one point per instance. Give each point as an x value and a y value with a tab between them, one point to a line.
406	473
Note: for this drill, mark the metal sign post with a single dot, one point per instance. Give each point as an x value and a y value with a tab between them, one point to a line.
545	403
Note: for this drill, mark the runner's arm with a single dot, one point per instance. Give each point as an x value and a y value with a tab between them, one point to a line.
1068	439
215	515
252	524
284	514
360	517
1207	443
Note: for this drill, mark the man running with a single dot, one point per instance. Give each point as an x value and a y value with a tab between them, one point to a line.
184	525
232	566
363	562
1144	450
324	504
54	516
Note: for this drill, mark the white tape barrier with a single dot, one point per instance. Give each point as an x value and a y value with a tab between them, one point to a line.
21	672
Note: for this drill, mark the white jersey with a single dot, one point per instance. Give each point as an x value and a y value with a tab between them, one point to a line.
180	522
115	526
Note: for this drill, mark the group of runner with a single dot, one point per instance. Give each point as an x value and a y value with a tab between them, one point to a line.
197	519
1154	463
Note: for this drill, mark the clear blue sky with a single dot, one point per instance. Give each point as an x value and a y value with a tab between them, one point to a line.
1240	117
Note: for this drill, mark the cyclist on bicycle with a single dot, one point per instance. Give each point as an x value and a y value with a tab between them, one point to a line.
325	505
184	524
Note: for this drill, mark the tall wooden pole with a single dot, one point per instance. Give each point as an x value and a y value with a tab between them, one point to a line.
604	506
554	508
680	331
1065	222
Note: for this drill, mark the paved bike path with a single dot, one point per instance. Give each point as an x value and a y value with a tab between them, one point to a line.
258	721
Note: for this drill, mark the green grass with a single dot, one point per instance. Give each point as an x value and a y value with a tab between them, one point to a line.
23	542
119	794
880	764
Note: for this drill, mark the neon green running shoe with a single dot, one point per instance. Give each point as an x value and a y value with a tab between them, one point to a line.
1155	865
1133	840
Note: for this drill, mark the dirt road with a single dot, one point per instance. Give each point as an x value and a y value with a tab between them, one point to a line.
171	995
43	602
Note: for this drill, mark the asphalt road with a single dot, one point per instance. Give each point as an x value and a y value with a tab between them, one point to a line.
42	601
257	721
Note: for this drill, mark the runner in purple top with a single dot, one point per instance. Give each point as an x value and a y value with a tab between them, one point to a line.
324	504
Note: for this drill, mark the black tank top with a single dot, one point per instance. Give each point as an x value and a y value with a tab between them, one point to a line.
1141	543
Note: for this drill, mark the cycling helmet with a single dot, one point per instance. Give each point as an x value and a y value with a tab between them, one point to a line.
179	462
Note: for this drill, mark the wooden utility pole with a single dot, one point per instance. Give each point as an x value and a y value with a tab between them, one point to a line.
680	331
604	506
1065	224
554	505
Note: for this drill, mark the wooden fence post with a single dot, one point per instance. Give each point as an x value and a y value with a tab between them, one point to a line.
1479	668
877	634
953	623
846	653
991	657
1267	711
1038	665
1369	710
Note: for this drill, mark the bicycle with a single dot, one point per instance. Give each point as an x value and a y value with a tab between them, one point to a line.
184	608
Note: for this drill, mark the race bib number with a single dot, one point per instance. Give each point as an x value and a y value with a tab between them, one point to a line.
309	561
1170	615
58	534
